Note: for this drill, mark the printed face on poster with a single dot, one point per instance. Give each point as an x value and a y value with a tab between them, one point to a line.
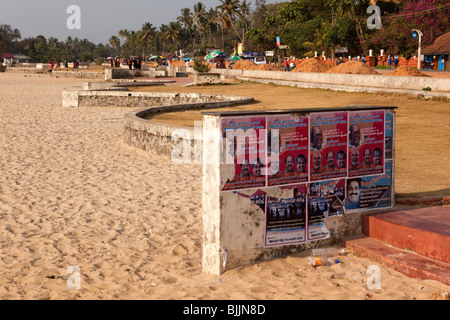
370	192
366	143
287	149
328	145
244	153
340	162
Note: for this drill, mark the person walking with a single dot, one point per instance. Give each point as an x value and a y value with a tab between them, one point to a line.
291	65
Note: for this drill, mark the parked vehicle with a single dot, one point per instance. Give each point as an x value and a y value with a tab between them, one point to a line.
260	60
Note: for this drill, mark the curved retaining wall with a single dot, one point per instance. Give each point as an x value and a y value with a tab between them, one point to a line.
156	137
139	131
362	81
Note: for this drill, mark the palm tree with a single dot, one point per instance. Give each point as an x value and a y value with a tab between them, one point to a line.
245	11
124	34
147	34
187	20
213	19
173	32
319	35
114	41
199	19
229	11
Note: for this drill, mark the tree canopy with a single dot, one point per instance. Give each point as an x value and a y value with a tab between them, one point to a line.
305	26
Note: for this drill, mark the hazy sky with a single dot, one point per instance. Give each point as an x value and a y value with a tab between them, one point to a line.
100	19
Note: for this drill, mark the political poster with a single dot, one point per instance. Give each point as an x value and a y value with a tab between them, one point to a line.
366	143
372	192
244	153
322	203
286	218
328	145
389	135
287	149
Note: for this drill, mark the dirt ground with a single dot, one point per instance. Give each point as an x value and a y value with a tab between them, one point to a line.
422	145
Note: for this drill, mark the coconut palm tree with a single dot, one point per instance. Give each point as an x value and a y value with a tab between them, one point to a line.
229	11
200	20
245	11
187	20
147	34
114	41
173	32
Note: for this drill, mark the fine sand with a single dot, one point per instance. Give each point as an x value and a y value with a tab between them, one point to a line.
72	193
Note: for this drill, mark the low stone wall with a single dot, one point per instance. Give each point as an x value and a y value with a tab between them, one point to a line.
121	73
78	74
206	77
123	84
27	70
145	134
361	81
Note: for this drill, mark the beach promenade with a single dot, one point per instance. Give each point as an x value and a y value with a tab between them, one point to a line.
73	194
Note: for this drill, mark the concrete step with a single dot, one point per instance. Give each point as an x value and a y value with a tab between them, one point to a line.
409	263
425	231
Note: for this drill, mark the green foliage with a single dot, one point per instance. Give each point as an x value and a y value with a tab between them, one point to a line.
304	26
199	66
99	61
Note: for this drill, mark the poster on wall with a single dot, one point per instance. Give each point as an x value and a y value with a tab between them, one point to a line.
285	219
328	145
366	143
287	159
244	153
372	192
318	209
388	139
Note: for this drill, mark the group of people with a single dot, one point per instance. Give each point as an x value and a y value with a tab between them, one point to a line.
334	161
371	158
289	64
293	166
66	64
246	174
132	63
392	61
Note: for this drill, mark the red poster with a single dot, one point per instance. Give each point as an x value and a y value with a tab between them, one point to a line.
244	153
287	149
366	143
328	145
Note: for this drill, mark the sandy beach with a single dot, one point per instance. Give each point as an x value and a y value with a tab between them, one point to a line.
72	193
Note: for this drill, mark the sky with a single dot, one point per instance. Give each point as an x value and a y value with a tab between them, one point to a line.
99	19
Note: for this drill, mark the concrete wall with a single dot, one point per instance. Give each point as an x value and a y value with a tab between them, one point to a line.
122	84
206	77
146	134
357	80
234	227
78	74
121	73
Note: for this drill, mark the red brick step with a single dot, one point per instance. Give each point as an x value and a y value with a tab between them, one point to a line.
425	231
409	263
